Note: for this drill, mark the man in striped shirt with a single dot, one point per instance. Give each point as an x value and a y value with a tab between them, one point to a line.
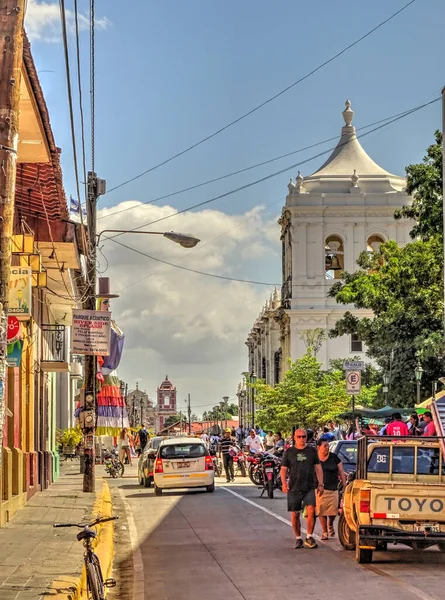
226	443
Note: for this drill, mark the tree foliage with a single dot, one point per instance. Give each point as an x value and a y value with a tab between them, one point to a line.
424	184
307	396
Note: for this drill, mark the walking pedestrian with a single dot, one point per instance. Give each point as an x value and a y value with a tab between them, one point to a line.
124	446
142	439
397	427
224	448
302	465
327	504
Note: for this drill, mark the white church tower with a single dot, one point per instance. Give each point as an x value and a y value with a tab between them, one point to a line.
330	217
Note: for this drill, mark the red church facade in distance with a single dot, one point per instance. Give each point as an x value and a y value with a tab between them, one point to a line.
166	402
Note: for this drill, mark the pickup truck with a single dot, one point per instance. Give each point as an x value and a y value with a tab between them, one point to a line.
396	497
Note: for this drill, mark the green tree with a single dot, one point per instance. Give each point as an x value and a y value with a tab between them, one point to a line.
173	419
307	396
404	289
232	409
424	184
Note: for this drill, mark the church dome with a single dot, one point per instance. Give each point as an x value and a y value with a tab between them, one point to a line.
350	169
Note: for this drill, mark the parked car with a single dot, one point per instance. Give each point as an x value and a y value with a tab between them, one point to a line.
147	460
346	452
183	463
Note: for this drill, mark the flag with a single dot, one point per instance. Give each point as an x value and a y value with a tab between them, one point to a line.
75	208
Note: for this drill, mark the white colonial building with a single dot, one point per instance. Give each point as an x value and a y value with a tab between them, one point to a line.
330	217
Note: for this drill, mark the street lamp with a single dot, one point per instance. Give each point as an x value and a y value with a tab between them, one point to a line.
183	239
418	371
385	386
253	382
226	402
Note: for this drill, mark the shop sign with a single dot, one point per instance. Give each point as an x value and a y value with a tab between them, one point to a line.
20	290
14	356
91	332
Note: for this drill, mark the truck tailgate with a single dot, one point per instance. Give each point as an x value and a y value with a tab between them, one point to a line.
408	502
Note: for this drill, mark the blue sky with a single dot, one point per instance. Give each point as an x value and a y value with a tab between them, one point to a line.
171	72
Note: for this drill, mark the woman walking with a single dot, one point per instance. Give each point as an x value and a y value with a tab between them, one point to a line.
124	446
327	504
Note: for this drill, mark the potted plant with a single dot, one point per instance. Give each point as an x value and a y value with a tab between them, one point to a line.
70	439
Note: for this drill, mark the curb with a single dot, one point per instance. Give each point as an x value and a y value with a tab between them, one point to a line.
75	588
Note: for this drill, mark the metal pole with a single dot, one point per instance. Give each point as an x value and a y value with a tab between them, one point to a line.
418	392
189	410
253	408
90	400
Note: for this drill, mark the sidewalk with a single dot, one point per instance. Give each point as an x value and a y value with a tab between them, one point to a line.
32	553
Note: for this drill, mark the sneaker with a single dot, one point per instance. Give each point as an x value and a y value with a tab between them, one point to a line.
309	542
233	480
227	480
298	544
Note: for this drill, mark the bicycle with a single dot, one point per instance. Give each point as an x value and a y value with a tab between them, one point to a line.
96	584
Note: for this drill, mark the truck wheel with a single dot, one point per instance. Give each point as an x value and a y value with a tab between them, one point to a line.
345	534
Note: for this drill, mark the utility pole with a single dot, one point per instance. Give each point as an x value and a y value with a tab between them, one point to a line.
189	412
96	187
226	402
12	13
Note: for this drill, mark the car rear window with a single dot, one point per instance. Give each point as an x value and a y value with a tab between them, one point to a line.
155	443
348	454
183	451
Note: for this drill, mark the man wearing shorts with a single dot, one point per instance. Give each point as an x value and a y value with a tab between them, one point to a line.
302	466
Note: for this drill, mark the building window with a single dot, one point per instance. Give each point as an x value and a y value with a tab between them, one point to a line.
334	257
263	369
277	366
356	343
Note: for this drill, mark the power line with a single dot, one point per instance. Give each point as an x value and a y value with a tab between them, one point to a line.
276	173
400	116
70	96
82	122
245	169
269	100
165	262
200	247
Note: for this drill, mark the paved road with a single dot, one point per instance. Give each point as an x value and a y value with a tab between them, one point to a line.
232	544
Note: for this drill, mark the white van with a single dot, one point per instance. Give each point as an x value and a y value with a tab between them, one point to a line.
183	463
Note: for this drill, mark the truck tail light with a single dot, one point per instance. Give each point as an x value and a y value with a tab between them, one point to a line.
365	501
209	463
159	467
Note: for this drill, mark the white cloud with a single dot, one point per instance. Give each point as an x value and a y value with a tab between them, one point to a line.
42	21
189	326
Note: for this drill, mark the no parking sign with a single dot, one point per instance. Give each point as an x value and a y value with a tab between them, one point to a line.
353	382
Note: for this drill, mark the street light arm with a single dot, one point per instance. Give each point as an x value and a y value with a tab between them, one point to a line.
183	239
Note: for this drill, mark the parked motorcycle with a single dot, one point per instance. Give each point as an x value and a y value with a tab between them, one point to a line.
270	469
113	466
254	463
239	460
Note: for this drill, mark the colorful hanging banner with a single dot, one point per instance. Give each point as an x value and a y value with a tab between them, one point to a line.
20	290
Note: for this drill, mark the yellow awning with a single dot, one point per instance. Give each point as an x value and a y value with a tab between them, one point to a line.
427	403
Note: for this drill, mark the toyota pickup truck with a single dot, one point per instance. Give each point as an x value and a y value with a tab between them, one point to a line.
397	496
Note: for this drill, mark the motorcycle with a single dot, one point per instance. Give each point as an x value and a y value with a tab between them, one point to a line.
217	465
239	460
113	466
254	462
270	469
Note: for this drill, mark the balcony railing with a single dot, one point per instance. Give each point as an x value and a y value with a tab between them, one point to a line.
54	356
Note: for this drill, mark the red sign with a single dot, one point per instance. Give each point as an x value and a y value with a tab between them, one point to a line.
13	329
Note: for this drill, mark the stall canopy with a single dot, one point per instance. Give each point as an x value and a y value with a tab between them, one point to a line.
369	413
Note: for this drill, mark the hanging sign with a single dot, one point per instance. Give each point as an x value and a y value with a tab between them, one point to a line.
14	329
20	290
353	382
14	356
90	332
354	365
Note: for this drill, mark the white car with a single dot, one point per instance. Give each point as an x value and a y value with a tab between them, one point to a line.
183	463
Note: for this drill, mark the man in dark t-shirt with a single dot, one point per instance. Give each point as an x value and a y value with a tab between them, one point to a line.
301	466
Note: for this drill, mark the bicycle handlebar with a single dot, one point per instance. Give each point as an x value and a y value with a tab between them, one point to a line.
82	525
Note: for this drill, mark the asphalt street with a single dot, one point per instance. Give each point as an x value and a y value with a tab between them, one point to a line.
234	544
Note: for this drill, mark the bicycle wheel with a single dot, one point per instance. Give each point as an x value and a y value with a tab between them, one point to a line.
120	469
94	578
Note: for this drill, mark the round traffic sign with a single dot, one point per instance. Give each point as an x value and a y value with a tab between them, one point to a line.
353	378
